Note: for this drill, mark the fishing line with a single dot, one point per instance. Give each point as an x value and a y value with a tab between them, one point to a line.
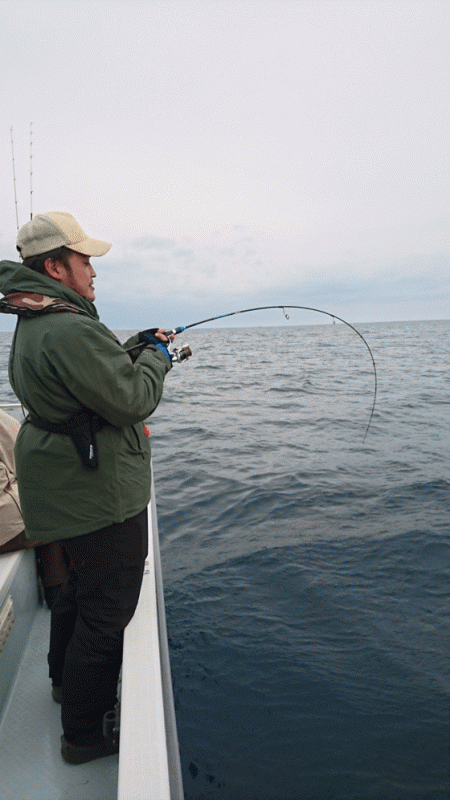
334	317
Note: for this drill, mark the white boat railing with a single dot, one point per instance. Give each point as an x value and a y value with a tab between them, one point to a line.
149	761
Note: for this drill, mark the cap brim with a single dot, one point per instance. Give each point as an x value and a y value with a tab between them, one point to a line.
90	247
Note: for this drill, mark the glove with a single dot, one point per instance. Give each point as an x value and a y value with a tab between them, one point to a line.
149	338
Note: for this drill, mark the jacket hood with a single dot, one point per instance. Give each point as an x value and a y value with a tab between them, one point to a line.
15	277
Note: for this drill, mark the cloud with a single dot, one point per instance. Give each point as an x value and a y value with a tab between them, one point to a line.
230	263
240	261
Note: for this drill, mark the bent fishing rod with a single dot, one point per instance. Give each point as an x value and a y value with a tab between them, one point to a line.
184	353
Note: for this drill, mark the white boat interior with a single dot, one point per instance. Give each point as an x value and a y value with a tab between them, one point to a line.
148	764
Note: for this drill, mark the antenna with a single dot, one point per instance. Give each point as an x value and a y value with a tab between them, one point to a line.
31	170
14	178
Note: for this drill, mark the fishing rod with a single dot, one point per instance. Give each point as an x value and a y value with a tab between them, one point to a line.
31	174
14	178
185	352
31	170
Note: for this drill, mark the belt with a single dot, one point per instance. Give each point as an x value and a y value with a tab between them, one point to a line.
81	428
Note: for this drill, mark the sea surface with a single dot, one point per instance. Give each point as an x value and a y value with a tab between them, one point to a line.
307	569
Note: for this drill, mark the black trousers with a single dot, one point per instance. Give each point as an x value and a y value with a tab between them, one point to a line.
88	619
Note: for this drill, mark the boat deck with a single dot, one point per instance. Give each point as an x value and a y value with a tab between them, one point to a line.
30	732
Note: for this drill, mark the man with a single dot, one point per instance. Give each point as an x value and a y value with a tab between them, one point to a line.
83	460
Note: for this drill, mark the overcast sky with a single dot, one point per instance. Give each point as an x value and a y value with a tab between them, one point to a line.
237	153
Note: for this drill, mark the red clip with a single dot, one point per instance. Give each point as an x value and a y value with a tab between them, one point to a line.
147	430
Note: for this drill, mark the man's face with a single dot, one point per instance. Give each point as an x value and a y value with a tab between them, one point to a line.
80	275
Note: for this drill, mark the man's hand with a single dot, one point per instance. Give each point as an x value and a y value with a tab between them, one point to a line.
161	334
157	337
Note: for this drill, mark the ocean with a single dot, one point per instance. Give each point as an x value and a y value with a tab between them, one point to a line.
306	569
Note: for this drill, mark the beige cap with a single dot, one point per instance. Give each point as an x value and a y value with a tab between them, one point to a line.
57	229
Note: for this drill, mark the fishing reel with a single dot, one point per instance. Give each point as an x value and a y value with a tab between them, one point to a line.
176	354
179	354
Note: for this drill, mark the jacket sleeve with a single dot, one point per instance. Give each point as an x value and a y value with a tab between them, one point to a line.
94	367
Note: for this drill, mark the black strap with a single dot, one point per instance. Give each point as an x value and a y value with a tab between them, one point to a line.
82	428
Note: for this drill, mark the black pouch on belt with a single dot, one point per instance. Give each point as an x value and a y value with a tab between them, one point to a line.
81	428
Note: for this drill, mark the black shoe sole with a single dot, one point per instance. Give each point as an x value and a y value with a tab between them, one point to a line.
76	754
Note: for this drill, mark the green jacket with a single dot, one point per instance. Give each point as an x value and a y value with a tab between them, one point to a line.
60	362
